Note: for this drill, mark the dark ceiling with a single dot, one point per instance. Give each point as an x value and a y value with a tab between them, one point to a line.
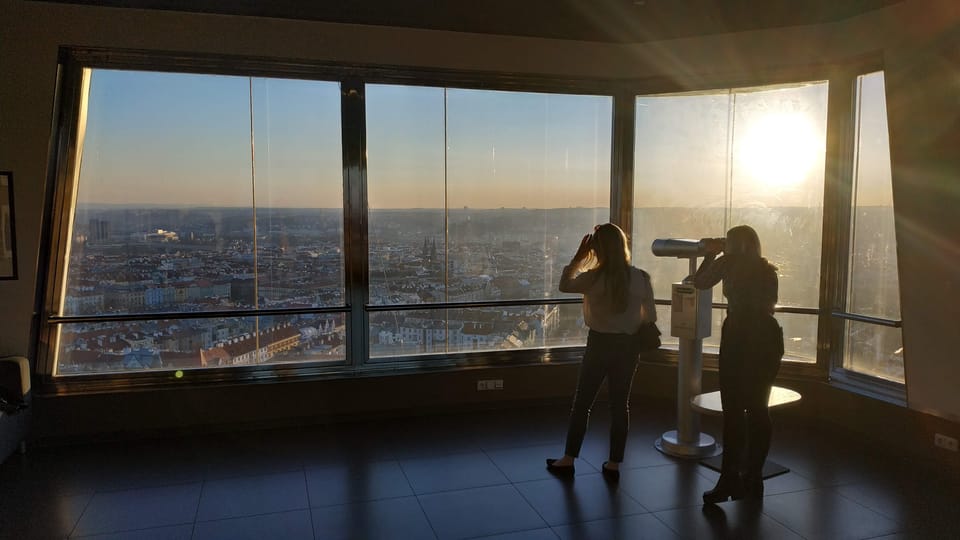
620	21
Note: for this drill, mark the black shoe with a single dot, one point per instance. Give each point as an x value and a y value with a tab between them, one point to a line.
610	474
724	490
562	470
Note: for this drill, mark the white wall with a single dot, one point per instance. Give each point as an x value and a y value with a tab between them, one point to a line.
922	116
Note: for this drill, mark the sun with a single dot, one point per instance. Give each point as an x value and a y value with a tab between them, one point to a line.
780	149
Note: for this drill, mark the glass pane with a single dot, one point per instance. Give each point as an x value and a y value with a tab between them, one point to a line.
873	287
299	193
681	157
779	146
799	337
170	177
186	344
481	195
874	350
425	332
163	216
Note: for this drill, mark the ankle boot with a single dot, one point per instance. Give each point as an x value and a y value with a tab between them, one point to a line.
728	486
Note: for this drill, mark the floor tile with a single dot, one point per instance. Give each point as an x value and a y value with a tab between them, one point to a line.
665	487
174	532
479	512
39	517
585	498
356	481
639	452
532	534
783	483
144	508
385	519
635	527
727	521
529	463
823	513
294	525
252	495
445	473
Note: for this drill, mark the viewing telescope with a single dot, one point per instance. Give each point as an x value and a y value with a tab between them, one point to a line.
680	248
690	322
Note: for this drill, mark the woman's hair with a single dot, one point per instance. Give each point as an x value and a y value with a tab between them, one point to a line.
742	241
613	263
747	267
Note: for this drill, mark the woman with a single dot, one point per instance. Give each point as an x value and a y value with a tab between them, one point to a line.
751	346
617	300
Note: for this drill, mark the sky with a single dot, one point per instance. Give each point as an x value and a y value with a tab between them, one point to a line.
207	140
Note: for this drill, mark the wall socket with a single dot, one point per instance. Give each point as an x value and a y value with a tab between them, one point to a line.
942	441
490	384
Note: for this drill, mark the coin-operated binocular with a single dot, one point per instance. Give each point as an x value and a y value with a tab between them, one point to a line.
690	321
681	248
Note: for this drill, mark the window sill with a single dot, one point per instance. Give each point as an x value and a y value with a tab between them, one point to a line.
888	392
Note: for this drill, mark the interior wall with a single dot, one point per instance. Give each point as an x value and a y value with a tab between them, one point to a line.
925	170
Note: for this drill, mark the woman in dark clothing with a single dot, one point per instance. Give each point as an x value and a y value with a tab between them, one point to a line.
751	346
617	300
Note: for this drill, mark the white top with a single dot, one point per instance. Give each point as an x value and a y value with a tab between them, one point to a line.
598	311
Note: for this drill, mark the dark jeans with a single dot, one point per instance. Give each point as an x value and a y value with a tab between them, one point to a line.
750	353
614	357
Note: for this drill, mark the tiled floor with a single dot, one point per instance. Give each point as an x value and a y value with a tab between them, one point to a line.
462	476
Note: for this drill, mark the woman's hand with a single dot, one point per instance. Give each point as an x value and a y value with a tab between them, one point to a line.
715	245
586	245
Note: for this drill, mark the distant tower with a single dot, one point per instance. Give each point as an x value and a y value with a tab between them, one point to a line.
99	230
433	250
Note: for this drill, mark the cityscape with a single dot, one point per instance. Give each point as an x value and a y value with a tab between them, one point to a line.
127	261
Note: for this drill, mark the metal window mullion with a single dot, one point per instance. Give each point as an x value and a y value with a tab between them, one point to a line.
835	258
621	161
355	242
61	192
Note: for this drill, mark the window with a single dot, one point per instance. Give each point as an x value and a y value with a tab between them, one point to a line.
314	221
707	161
479	196
873	344
199	194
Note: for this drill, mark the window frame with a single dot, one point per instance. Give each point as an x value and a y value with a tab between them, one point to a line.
839	314
63	156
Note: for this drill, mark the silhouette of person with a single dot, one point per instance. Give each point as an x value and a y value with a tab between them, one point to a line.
751	346
617	300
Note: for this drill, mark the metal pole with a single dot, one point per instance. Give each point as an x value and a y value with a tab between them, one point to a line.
687	441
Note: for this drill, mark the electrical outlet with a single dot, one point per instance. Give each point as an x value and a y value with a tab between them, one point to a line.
942	441
490	384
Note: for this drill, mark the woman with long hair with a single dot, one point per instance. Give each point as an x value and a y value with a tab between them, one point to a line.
617	301
751	347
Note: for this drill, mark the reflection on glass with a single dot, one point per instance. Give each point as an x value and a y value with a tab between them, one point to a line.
799	337
481	195
164	345
445	331
874	350
299	193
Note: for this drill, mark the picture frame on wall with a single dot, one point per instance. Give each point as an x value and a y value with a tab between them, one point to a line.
8	236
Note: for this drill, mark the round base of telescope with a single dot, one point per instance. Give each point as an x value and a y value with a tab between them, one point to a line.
669	443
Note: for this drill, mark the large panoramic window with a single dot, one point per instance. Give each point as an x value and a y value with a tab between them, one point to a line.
873	343
708	161
313	222
482	197
196	195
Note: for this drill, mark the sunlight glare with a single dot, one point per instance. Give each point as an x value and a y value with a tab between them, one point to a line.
780	149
